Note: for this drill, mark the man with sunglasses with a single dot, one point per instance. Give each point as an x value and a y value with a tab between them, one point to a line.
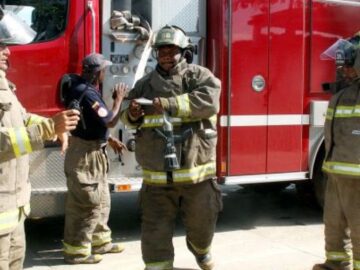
176	147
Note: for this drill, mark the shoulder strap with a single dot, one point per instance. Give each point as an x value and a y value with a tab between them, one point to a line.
84	92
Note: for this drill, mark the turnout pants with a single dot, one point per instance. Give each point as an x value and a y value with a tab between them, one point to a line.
198	204
342	222
12	247
87	206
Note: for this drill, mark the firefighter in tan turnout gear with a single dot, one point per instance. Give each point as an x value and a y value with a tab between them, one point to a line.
87	207
342	162
175	145
20	134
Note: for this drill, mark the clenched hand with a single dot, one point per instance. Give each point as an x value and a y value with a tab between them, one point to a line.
63	122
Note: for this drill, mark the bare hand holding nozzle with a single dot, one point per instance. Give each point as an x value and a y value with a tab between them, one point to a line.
158	106
135	110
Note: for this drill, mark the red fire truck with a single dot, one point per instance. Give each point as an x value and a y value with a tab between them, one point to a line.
266	53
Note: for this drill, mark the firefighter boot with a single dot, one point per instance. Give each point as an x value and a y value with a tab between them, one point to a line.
108	248
91	259
205	262
330	265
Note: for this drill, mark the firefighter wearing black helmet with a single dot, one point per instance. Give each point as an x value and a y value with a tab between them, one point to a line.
20	134
186	97
342	161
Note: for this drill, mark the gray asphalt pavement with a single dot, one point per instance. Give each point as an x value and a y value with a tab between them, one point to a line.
256	231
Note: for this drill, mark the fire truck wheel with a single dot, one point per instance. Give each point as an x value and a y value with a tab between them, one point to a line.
319	182
312	192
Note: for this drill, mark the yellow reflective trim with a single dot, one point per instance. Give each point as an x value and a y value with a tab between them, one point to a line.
151	121
200	251
152	177
337	256
196	173
35	119
329	113
101	238
9	219
356	265
165	265
347	111
77	250
180	176
183	102
20	141
13	141
341	168
26	141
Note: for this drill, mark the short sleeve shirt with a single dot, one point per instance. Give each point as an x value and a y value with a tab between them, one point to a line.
95	113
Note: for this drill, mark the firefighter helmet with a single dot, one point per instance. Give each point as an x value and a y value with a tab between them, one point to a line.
343	51
171	35
13	30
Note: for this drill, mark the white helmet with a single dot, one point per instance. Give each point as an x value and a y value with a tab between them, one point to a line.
13	30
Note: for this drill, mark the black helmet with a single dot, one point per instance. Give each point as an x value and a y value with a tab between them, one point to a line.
343	51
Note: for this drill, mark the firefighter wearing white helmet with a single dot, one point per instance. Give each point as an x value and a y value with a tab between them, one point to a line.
20	134
342	162
176	147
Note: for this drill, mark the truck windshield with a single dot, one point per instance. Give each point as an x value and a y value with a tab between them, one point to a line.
46	17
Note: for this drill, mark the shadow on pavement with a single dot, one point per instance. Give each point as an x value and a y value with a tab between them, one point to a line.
246	209
243	210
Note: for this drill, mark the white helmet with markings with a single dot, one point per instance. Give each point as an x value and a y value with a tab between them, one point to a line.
13	30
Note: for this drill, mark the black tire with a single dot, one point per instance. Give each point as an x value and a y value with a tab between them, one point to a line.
313	191
319	182
266	187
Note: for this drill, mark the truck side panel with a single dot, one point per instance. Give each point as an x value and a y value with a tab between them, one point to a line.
250	56
287	81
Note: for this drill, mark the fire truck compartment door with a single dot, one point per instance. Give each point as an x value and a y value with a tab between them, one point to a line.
267	87
249	99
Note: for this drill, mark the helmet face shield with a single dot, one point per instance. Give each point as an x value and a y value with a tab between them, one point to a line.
342	51
13	30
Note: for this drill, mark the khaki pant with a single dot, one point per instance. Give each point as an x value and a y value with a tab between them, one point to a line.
342	216
198	204
12	248
87	206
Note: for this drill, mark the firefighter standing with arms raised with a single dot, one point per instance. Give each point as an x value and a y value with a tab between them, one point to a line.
342	162
176	147
20	134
